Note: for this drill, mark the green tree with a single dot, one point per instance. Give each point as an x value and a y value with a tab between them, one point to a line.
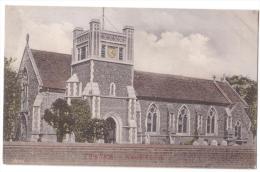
81	111
12	93
95	130
75	118
247	89
59	116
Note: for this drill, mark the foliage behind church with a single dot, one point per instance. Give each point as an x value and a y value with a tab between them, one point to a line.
247	89
12	95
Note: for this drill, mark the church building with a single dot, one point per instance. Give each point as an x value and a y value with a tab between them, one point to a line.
144	107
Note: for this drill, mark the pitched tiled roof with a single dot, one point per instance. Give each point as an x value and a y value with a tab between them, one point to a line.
177	88
232	95
54	68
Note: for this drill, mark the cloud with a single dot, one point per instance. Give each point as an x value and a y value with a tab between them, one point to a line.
198	43
49	36
174	53
52	37
190	55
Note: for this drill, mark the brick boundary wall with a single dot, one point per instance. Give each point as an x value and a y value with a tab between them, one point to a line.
129	155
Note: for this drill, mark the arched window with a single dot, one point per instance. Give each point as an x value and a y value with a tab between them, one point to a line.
24	83
228	123
211	121
238	130
183	120
152	120
112	91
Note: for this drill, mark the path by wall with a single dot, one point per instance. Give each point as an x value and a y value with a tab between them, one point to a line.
130	155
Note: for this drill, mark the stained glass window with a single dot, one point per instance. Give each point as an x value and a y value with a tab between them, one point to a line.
211	121
183	120
238	130
152	119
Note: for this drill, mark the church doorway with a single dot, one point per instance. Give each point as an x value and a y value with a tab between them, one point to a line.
110	133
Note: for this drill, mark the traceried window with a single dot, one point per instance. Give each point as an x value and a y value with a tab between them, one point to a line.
238	130
24	88
121	53
152	119
103	51
83	53
112	91
211	121
183	120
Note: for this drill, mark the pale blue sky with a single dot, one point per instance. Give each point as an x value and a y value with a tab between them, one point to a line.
197	43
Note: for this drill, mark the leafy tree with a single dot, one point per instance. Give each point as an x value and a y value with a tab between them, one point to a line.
60	118
81	111
75	118
247	89
241	84
95	130
12	93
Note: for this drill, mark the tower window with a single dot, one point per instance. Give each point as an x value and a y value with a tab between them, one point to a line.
112	91
121	53
103	51
83	53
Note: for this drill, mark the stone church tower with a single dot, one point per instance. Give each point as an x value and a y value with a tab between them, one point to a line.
102	72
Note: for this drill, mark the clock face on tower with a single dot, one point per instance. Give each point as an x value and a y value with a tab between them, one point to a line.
112	52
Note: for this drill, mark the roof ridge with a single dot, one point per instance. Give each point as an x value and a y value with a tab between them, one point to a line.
49	52
222	92
237	94
173	75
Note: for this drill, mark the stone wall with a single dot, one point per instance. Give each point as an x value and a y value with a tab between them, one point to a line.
83	72
106	72
130	155
118	107
32	88
47	131
239	113
163	136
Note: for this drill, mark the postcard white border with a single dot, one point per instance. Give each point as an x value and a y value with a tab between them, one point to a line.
180	4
